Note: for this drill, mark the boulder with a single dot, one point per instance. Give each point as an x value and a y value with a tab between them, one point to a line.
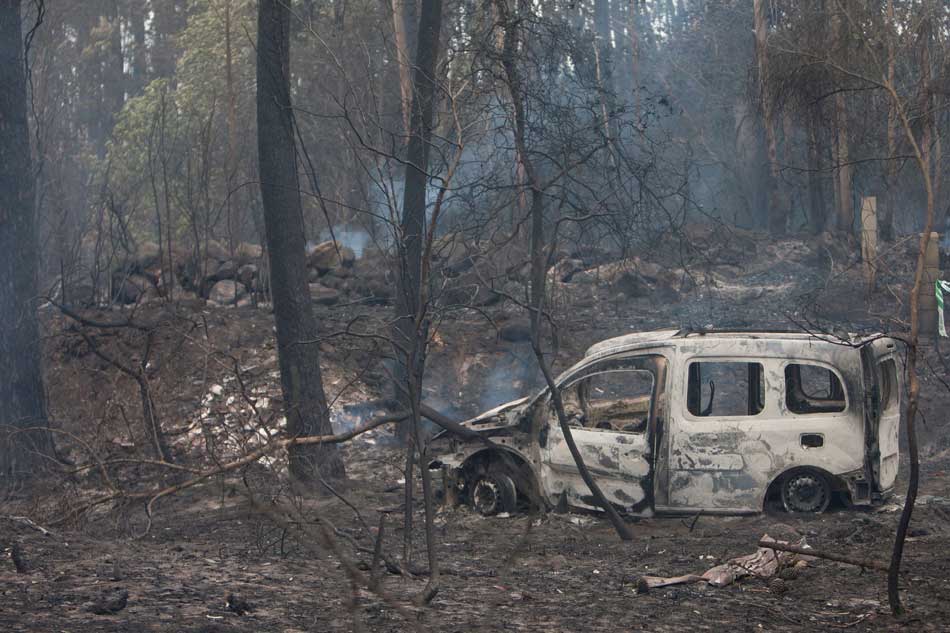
131	289
216	250
226	270
246	253
331	280
321	295
147	256
630	283
565	269
584	277
247	275
226	292
516	331
329	255
469	290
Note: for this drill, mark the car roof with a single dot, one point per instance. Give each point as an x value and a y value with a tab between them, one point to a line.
678	337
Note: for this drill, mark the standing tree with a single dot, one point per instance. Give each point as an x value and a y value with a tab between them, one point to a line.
778	205
408	331
305	402
22	397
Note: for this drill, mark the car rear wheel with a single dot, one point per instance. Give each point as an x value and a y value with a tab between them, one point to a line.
493	493
806	492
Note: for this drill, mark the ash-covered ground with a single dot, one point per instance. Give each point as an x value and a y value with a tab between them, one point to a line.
213	375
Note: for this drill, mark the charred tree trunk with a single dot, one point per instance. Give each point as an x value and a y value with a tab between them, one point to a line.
408	332
778	205
924	158
845	198
405	23
139	67
22	397
510	24
305	403
817	216
633	28
890	176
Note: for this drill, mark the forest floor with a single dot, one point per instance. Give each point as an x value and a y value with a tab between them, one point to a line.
557	572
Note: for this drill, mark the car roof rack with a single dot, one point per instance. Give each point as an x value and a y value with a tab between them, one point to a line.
701	331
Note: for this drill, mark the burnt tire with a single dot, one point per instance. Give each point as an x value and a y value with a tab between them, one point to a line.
493	493
805	492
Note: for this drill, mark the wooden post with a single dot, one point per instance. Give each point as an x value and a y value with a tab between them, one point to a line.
869	241
928	302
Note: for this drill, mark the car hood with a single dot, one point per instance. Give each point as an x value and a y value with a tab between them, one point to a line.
491	413
488	420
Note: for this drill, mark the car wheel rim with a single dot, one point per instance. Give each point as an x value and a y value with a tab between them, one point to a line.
806	493
485	496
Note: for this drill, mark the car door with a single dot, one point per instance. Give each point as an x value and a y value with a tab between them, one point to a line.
886	363
611	407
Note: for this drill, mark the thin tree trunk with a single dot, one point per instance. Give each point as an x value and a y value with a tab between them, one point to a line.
405	23
231	158
538	262
816	199
409	293
778	205
845	198
923	157
139	66
305	403
890	178
633	28
22	396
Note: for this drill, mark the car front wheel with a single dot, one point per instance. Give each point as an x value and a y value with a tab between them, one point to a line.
494	493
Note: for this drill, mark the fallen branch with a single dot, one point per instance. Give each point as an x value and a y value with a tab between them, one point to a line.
29	523
838	558
250	458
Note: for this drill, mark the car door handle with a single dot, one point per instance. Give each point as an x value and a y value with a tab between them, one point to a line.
812	440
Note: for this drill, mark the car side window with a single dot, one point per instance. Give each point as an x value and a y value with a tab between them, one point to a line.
725	389
618	399
811	388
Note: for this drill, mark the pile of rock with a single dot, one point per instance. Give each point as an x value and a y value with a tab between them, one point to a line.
214	273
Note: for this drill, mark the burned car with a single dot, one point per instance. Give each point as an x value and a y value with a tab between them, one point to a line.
694	421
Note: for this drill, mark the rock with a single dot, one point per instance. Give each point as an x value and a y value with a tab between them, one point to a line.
216	250
247	275
147	256
131	289
109	603
246	253
79	294
330	280
321	295
591	255
517	331
469	290
226	292
631	284
565	269
227	270
584	277
329	255
376	290
239	605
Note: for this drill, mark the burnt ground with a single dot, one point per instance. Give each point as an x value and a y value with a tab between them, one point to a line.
557	572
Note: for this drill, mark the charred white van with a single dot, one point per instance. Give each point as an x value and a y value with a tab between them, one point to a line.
685	421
